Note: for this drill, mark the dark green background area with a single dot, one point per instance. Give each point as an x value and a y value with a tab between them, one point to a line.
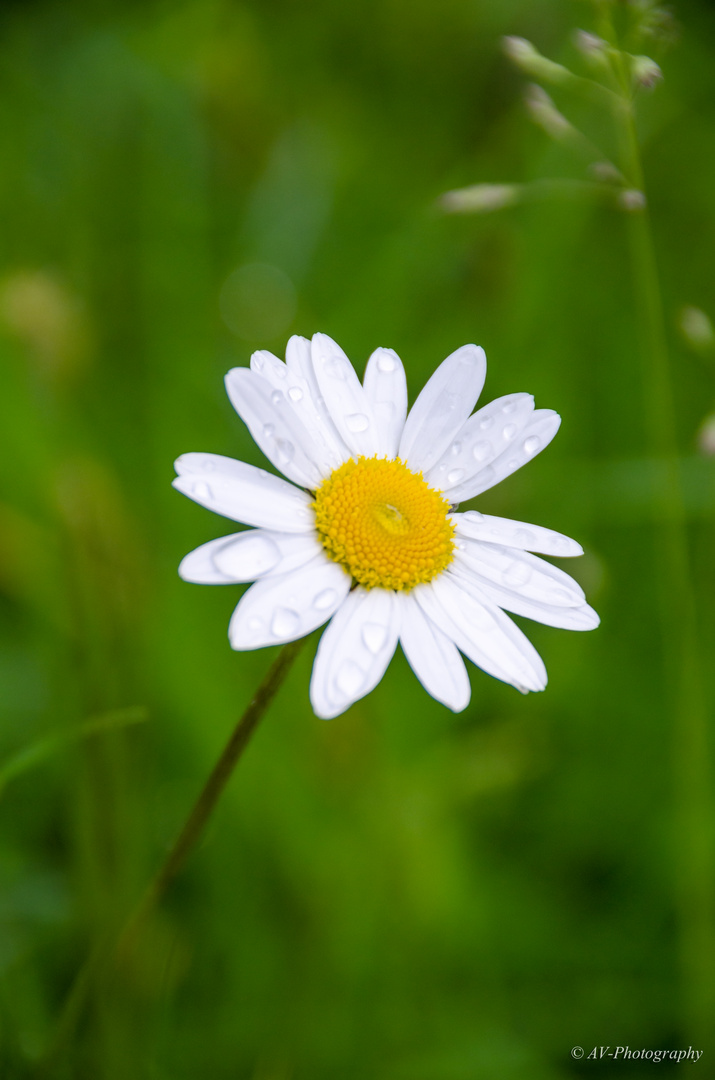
401	893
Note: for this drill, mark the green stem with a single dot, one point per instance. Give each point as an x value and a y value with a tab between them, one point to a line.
693	857
119	948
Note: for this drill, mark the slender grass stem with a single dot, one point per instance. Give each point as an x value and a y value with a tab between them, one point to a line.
693	858
117	948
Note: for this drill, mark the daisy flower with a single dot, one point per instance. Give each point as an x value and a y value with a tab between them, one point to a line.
364	531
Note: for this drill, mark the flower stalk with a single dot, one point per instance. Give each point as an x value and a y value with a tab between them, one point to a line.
695	869
117	948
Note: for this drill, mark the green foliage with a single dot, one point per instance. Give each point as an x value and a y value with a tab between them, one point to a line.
399	893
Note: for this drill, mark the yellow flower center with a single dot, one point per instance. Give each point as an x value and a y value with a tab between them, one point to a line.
383	523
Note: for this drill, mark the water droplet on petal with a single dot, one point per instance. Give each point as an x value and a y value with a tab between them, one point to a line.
516	574
277	397
455	476
258	363
481	450
350	678
248	557
532	444
486	423
286	451
524	538
385	362
285	622
473	515
295	393
325	599
513	464
357	422
336	368
510	431
561	596
510	407
268	431
373	636
384	410
201	490
456	448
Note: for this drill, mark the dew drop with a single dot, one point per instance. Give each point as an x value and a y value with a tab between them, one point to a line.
473	515
285	622
386	362
268	431
512	465
561	596
373	636
481	450
325	599
384	410
524	538
486	423
286	451
350	678
456	448
516	574
455	476
509	431
248	558
510	407
258	363
336	368
357	422
295	393
277	397
532	444
201	490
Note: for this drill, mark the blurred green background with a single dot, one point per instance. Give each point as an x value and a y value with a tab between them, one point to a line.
400	893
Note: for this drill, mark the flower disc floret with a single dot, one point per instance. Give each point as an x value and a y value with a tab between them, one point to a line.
384	523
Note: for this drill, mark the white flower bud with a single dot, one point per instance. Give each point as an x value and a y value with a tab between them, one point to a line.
696	328
706	436
645	72
544	113
632	200
593	49
480	199
530	60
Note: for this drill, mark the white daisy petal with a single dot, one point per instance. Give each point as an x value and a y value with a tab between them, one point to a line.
526	444
354	651
248	555
282	437
433	657
483	633
480	440
296	379
521	572
244	493
199	567
386	388
518	534
442	407
284	607
344	396
581	617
